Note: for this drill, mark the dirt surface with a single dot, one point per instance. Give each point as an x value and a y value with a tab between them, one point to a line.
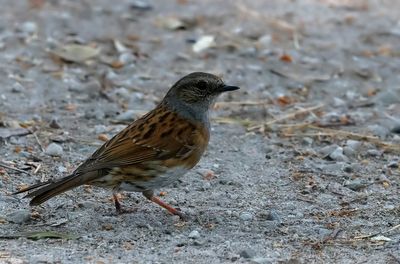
303	162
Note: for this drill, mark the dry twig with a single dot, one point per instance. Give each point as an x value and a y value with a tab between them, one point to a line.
37	168
357	136
14	169
38	141
378	233
229	120
285	117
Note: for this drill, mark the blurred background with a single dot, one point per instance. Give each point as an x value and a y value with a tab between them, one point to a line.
303	164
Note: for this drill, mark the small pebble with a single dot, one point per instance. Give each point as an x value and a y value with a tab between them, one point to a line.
355	185
265	41
387	97
206	186
54	124
54	150
198	242
175	218
338	155
122	92
248	52
396	129
272	216
374	153
141	5
348	169
59	138
246	216
126	58
351	95
262	260
349	151
394	164
92	88
323	232
87	204
215	166
247	253
307	141
354	144
61	169
128	116
337	102
17	88
194	234
25	154
95	113
299	215
380	131
19	217
37	118
100	129
389	207
327	150
29	27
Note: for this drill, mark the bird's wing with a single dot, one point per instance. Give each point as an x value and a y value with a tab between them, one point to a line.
159	135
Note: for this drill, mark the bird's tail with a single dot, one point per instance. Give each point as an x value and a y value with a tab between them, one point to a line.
45	190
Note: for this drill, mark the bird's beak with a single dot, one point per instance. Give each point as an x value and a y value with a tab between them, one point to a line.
227	88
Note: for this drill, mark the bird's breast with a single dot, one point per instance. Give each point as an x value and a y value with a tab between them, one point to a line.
159	180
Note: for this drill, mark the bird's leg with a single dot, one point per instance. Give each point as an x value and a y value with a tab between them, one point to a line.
118	206
150	195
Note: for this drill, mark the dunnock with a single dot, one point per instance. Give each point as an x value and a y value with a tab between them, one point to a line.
153	151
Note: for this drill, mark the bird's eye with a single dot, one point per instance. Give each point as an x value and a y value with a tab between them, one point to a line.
202	85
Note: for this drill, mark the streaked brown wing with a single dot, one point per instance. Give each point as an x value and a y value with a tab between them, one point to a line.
159	135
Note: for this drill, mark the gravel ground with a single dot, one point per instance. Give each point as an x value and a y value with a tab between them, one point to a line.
303	162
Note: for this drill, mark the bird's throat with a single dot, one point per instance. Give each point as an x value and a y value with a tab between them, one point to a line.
192	112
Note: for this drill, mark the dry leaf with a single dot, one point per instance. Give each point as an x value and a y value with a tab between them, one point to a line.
107	227
103	137
88	188
172	23
36	3
372	92
380	238
71	107
76	52
127	246
284	100
117	64
17	149
385	50
203	43
386	184
343	212
345	120
22	186
207	174
119	46
286	58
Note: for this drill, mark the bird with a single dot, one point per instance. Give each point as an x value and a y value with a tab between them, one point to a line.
153	151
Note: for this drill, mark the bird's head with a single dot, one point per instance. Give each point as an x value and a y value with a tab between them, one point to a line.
198	90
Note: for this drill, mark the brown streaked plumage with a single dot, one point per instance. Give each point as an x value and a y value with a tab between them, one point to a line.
153	151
